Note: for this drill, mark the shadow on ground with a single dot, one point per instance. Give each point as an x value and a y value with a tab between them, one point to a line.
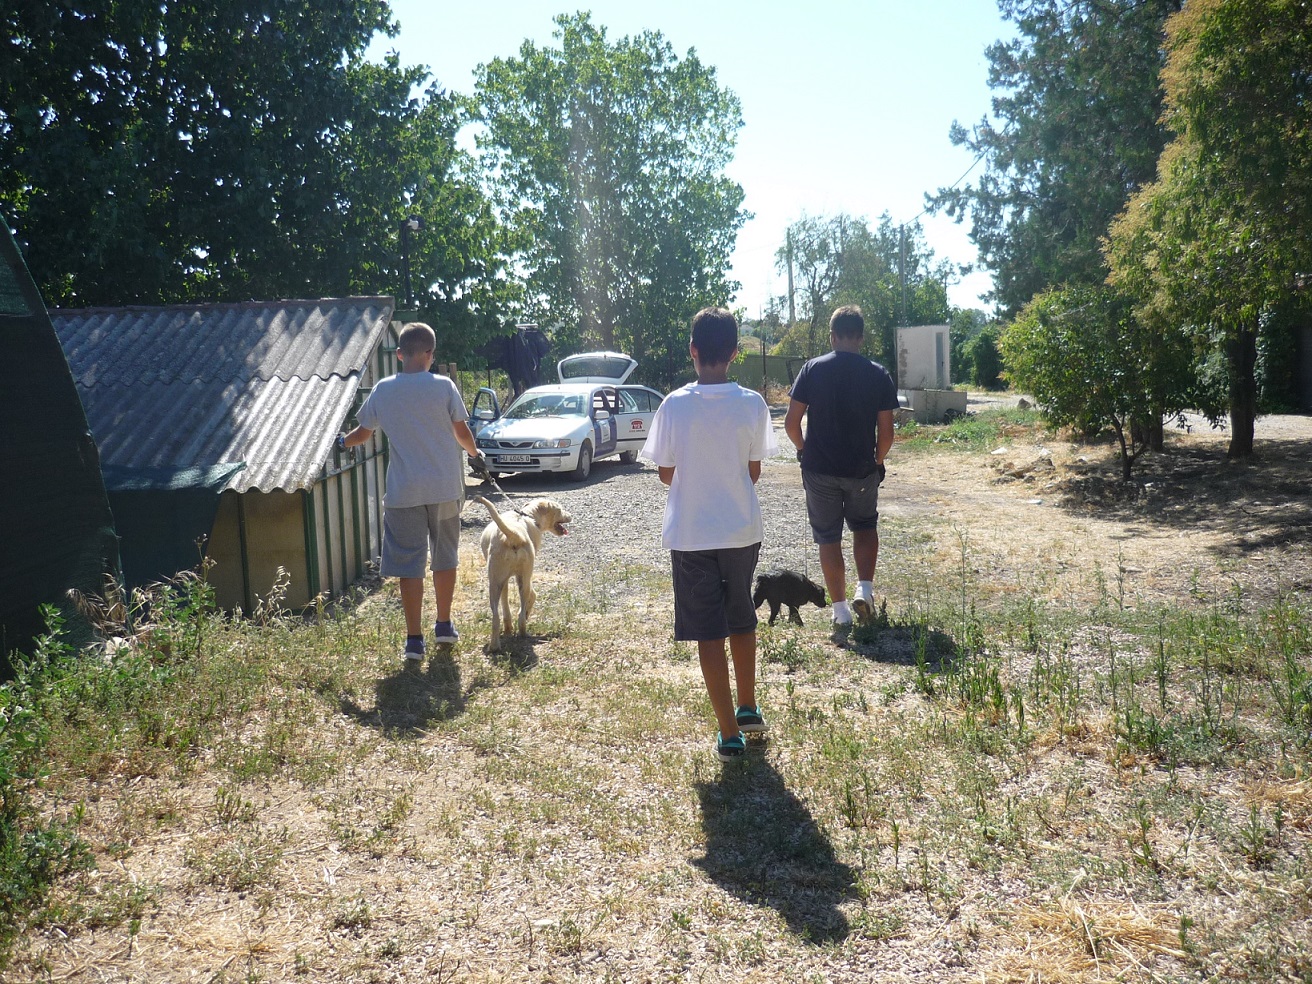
1258	503
415	697
901	644
765	848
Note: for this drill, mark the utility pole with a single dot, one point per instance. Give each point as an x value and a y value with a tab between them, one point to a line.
792	309
412	224
902	268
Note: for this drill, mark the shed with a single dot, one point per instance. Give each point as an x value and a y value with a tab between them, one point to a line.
924	373
216	424
55	527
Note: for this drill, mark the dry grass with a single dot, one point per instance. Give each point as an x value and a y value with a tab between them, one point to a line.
1028	773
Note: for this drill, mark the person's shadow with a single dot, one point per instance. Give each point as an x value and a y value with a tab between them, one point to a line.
764	847
413	698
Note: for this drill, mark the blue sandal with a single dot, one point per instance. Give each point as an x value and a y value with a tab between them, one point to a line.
730	749
750	720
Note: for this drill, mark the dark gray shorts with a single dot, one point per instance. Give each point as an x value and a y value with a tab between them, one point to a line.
830	500
412	533
713	592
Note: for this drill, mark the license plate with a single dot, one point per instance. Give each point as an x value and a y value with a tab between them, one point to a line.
513	459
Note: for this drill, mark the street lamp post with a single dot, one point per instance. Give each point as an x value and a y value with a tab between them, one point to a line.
413	224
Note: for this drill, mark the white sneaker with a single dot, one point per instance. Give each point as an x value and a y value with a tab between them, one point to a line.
863	607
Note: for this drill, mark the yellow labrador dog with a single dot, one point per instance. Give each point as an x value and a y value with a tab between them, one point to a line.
510	544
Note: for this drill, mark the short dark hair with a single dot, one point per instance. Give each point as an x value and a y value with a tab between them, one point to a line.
416	337
847	322
715	334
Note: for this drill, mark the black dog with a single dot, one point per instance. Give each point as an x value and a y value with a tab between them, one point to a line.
784	587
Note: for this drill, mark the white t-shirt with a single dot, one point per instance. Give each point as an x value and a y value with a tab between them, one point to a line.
708	434
416	410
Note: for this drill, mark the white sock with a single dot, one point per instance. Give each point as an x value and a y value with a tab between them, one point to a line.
841	612
866	590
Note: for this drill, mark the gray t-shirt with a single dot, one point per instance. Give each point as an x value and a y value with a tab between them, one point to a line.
416	411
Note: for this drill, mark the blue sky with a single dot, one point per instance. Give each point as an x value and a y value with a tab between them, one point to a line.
846	105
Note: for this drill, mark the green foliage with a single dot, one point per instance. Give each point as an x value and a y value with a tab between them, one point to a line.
608	161
34	852
1076	130
982	360
973	432
1091	364
155	153
1219	239
841	260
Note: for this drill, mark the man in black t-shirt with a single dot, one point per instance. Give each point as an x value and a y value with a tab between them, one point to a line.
848	402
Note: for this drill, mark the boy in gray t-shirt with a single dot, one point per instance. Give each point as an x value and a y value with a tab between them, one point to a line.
424	419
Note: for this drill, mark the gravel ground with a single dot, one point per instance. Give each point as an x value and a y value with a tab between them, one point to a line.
1186	513
618	513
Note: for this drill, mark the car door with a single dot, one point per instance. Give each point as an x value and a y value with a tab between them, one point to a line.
486	409
637	408
605	407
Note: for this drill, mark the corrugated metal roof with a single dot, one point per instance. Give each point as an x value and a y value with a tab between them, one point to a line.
193	386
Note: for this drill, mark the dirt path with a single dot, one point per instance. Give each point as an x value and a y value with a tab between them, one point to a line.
1050	517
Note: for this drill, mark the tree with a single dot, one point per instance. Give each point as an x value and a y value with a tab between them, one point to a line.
608	161
975	357
1076	131
154	152
1219	241
841	260
1090	364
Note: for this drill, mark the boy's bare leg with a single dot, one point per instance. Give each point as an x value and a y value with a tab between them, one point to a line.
865	551
412	603
834	569
715	671
743	648
444	592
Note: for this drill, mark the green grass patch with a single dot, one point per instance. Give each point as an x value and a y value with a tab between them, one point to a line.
975	432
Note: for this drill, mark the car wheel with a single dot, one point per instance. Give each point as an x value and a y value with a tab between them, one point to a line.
628	457
584	468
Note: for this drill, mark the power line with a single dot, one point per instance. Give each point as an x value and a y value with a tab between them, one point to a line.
974	164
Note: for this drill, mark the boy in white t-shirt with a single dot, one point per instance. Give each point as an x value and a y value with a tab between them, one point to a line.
708	440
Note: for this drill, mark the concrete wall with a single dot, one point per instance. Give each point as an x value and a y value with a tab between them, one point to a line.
924	358
931	406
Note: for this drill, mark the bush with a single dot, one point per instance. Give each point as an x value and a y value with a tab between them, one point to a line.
33	852
983	366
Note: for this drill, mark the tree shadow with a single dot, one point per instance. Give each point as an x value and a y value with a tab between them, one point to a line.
763	846
1258	503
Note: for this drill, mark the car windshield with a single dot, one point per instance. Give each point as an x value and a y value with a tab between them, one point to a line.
546	405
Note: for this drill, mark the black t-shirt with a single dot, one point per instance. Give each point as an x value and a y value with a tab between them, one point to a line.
844	393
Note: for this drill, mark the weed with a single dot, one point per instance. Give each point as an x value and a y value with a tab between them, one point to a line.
34	852
784	648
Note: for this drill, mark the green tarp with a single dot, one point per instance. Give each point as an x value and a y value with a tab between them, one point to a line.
56	530
161	515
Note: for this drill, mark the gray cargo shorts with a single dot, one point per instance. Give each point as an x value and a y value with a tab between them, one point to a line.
830	500
411	534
